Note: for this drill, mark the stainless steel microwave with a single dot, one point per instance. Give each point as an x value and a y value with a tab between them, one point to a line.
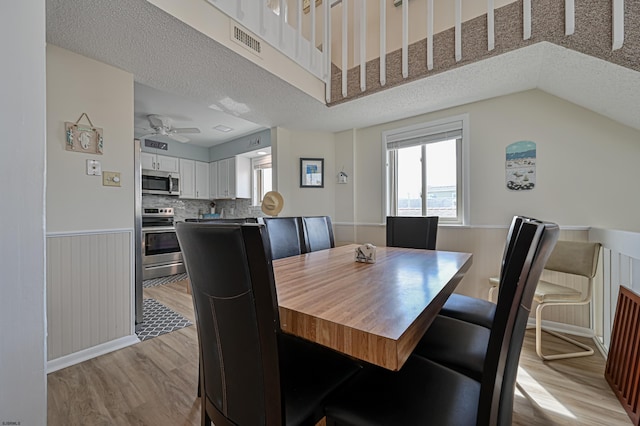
161	183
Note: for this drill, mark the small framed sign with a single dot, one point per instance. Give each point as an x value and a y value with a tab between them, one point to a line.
83	138
312	173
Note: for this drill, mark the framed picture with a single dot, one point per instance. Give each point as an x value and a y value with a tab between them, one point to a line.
312	173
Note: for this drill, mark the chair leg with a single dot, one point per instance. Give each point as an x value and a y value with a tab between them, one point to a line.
587	350
492	290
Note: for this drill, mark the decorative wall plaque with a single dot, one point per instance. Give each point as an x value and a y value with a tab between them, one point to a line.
83	138
520	167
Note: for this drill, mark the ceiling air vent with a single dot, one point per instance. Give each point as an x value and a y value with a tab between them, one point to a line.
243	38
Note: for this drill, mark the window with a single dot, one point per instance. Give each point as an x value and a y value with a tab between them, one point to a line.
262	179
425	169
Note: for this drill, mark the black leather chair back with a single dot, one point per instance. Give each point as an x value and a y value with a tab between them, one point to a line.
237	318
318	233
526	253
412	232
286	236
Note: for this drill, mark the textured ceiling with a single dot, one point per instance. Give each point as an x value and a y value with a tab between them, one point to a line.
165	54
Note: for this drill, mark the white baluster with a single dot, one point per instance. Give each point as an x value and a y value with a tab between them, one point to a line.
526	16
458	30
491	37
239	12
326	48
405	39
282	24
263	29
569	17
429	34
618	24
363	45
383	42
299	27
345	64
312	48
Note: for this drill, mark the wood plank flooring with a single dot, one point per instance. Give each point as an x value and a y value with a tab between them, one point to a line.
154	382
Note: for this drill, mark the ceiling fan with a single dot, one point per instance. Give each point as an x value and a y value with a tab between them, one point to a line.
162	126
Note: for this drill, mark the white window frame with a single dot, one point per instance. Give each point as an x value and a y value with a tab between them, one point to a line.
425	130
258	163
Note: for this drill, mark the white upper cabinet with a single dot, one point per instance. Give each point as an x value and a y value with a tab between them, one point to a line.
163	163
194	179
234	178
213	180
202	180
187	178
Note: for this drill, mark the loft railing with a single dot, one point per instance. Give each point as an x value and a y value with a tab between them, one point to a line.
295	27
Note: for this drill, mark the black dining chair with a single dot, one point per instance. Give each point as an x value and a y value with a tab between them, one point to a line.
318	233
412	232
472	309
250	372
286	236
461	342
425	392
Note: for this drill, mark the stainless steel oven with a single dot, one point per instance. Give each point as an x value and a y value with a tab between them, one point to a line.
161	255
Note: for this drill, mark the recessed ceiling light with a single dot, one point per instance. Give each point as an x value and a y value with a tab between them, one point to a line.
222	128
261	153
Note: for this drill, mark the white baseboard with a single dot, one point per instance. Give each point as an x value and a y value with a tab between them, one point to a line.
86	354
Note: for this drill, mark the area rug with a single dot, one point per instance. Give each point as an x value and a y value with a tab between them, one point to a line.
163	280
157	319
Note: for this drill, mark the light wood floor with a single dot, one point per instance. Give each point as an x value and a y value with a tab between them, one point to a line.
154	383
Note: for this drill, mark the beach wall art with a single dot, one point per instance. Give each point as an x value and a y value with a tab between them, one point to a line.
520	163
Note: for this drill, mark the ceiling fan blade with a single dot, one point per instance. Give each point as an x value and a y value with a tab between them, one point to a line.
159	120
178	138
185	130
148	135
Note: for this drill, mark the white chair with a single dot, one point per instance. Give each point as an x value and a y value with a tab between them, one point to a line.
569	257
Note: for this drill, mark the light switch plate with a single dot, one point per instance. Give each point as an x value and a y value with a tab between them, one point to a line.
94	168
111	179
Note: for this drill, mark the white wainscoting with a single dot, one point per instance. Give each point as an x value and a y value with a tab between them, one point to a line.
620	267
89	294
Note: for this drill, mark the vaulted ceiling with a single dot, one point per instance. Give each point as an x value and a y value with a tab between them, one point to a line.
164	53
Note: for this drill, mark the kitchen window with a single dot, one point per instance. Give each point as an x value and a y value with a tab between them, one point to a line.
262	178
426	168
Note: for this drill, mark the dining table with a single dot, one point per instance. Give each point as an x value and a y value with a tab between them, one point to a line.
374	312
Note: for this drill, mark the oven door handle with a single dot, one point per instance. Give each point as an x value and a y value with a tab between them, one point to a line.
158	229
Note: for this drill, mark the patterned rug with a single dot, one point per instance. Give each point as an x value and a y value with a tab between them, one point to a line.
163	280
157	319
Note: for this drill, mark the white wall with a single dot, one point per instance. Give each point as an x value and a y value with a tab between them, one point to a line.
586	163
23	397
89	226
76	201
287	148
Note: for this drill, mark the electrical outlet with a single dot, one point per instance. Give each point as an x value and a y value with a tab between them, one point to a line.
110	178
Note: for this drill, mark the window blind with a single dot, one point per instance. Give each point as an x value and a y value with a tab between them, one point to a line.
424	135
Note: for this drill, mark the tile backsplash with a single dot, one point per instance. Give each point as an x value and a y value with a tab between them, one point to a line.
192	209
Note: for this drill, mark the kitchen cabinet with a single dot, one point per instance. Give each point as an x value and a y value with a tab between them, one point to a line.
234	178
202	180
213	180
163	163
194	179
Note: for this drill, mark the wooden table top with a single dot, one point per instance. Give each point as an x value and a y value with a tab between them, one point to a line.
374	312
